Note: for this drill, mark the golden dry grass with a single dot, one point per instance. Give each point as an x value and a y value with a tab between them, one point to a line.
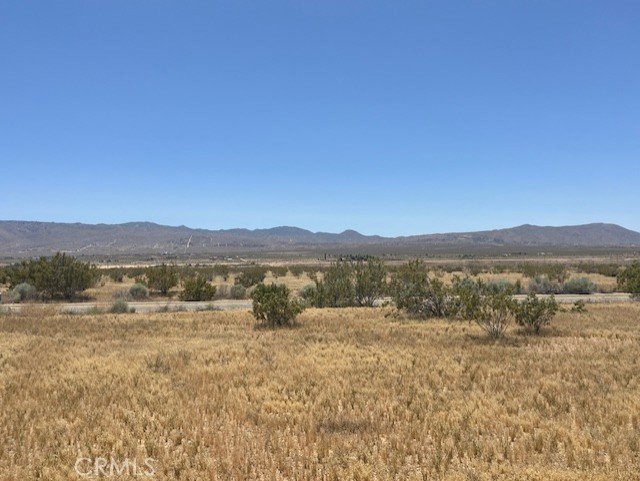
350	394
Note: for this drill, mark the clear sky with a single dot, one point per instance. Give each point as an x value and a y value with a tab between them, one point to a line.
388	117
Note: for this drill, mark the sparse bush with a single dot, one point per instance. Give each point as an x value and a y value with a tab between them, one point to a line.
272	306
120	306
554	272
251	276
493	313
221	270
579	306
238	291
502	285
414	292
543	285
138	291
533	313
278	271
296	270
197	289
161	278
629	280
23	292
579	285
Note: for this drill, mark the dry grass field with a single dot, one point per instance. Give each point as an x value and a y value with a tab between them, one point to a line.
350	394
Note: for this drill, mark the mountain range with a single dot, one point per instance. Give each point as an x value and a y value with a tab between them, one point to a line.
28	238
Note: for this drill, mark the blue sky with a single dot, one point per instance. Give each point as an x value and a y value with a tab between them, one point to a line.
388	117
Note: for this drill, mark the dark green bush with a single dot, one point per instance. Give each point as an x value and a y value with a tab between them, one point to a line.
161	278
221	270
272	306
533	313
370	278
414	292
250	276
629	280
197	288
60	276
279	271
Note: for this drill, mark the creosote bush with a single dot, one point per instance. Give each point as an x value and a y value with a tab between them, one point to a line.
579	285
238	291
197	288
533	313
629	280
161	278
272	306
22	292
138	291
250	276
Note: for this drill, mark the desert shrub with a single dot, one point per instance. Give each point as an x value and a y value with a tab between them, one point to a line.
138	291
222	291
502	285
120	306
279	271
251	276
336	288
161	278
493	313
533	313
629	280
543	285
60	276
554	272
272	306
415	293
22	292
579	285
607	270
197	288
370	279
579	306
221	270
238	291
296	270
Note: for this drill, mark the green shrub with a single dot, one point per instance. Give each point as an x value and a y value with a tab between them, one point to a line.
161	278
579	285
629	280
23	292
502	285
138	291
336	288
543	285
493	313
370	281
251	276
120	307
533	313
197	289
221	270
238	291
296	270
60	276
554	272
279	271
272	306
414	292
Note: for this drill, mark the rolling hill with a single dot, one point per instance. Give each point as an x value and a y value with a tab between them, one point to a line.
27	238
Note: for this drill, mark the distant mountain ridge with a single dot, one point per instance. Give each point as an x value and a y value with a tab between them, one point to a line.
29	238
